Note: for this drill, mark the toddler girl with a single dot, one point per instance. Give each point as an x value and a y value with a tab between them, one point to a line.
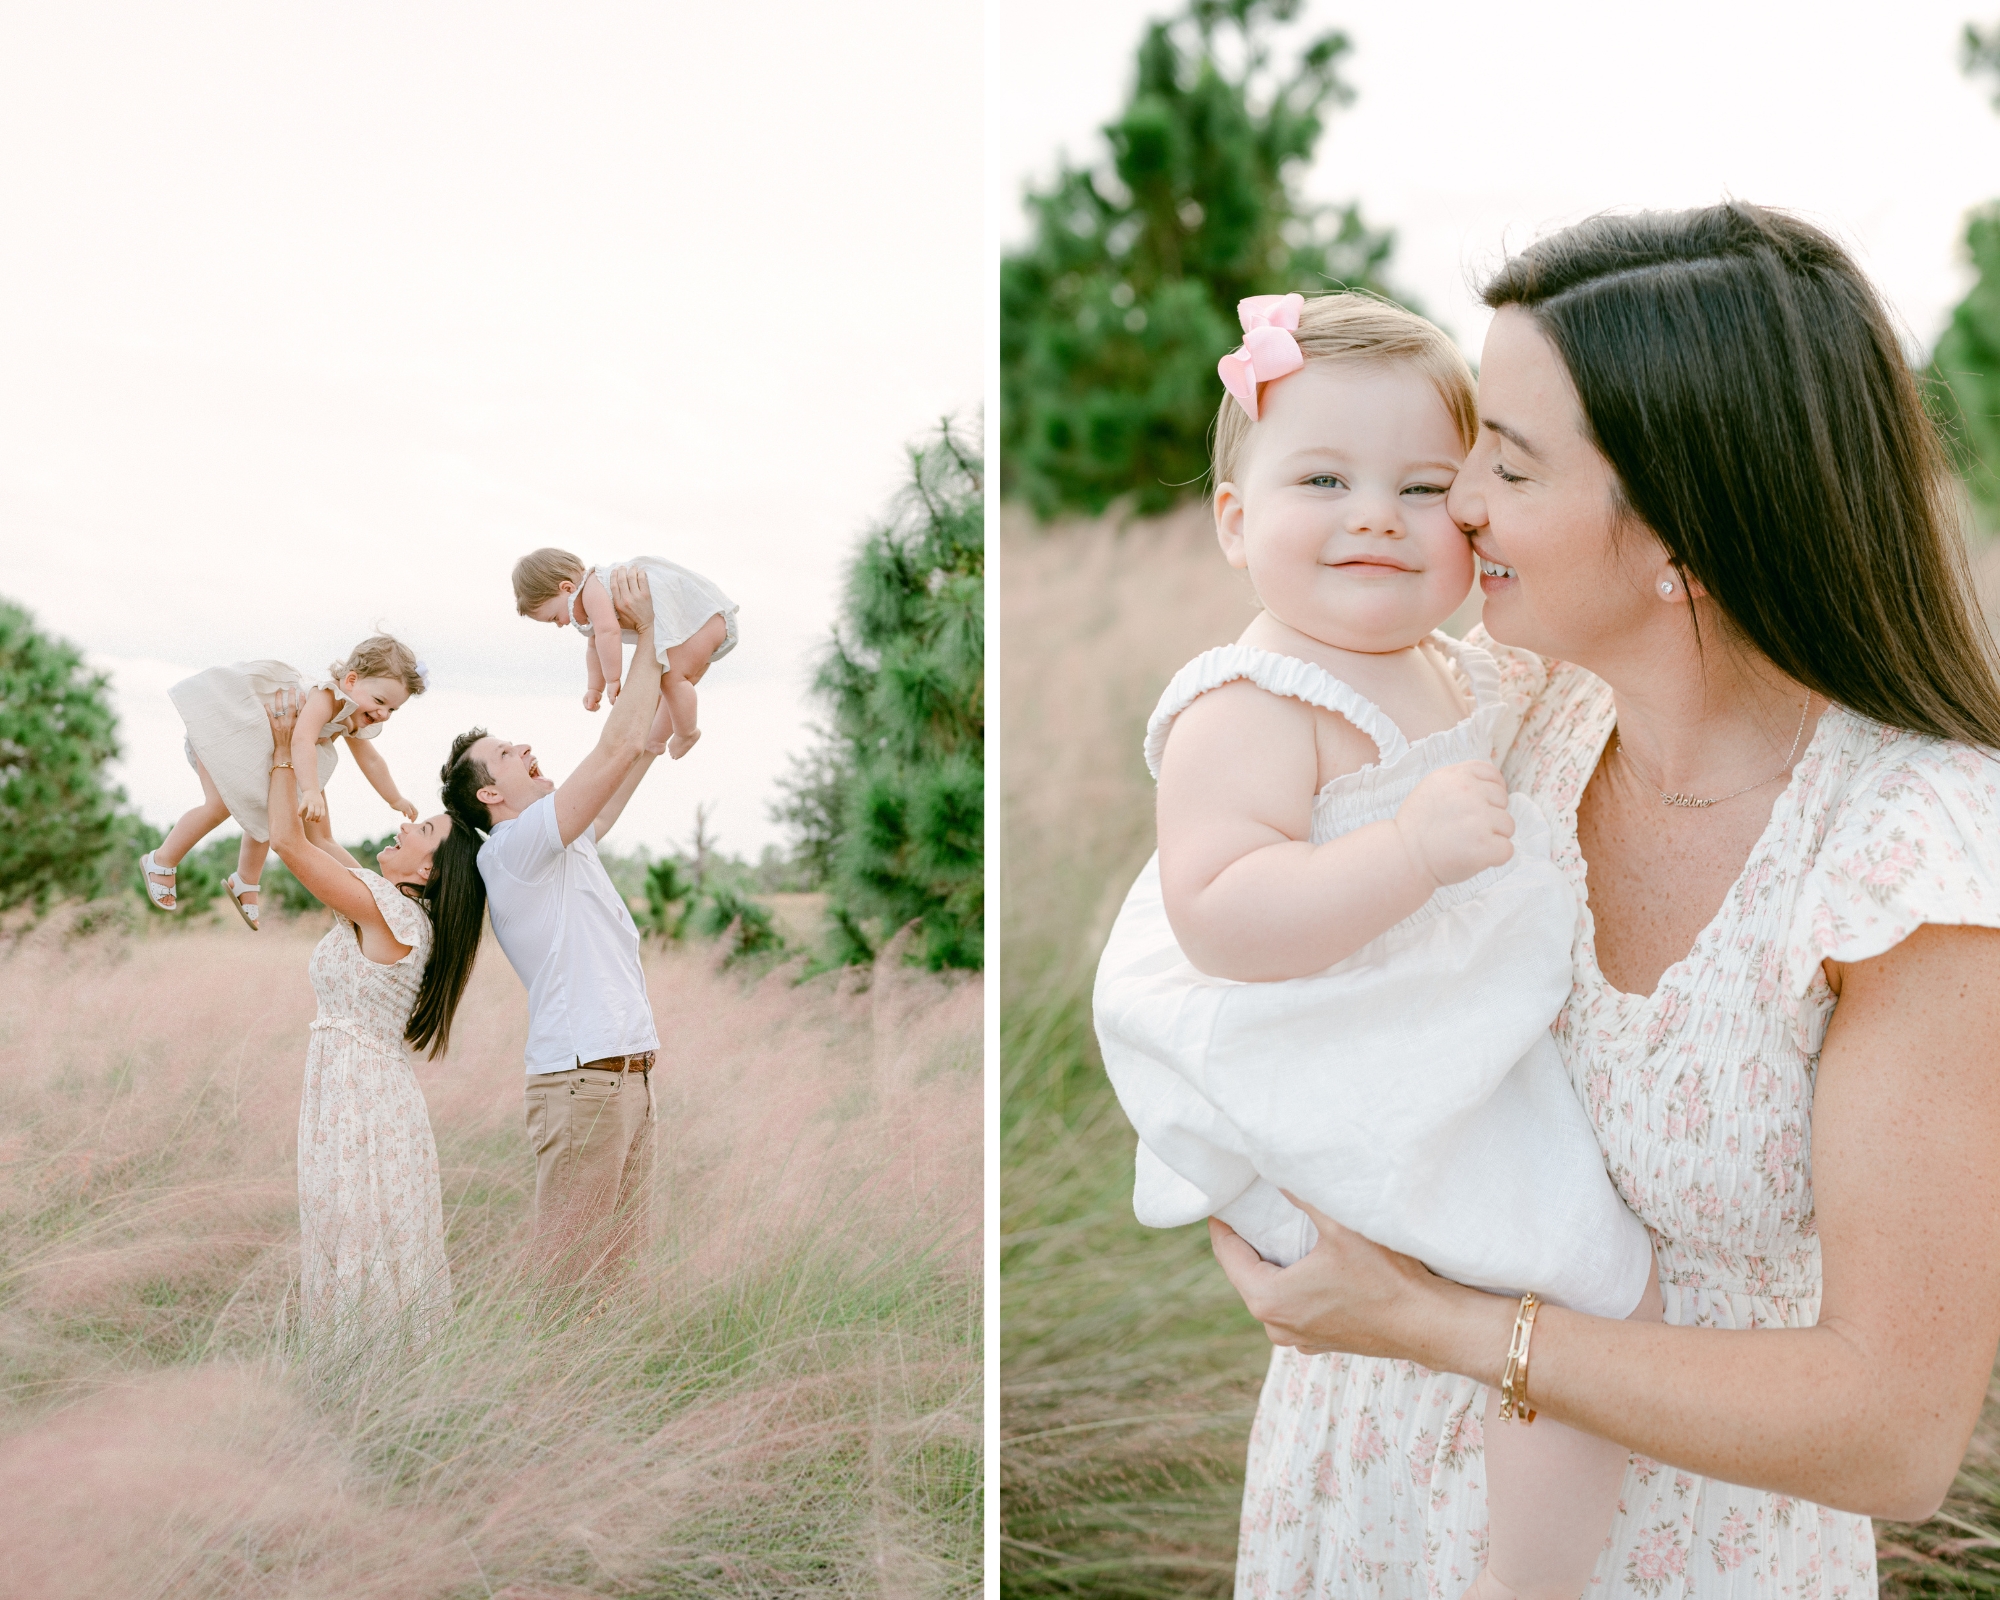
694	623
229	746
1336	976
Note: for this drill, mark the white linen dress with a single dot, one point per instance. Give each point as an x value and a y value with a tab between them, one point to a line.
682	602
371	1221
224	710
1410	1091
1368	1477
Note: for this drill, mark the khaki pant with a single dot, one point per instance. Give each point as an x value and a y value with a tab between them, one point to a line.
592	1135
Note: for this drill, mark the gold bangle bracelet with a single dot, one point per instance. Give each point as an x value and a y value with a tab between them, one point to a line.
281	766
1514	1380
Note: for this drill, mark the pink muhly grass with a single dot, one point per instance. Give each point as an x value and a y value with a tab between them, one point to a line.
782	1396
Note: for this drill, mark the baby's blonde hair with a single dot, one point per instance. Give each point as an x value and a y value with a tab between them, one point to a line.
537	574
1358	327
382	656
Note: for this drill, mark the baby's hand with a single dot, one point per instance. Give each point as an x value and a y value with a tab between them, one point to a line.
312	805
1455	823
406	806
592	699
611	692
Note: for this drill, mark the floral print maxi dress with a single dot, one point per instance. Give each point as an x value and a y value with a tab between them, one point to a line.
1367	1477
371	1222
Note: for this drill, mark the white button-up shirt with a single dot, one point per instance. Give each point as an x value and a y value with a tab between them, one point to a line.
570	939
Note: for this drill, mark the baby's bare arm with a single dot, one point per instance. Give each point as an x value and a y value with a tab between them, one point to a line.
376	770
607	649
313	718
1248	896
593	673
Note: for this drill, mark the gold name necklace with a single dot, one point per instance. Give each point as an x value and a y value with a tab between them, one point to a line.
1694	802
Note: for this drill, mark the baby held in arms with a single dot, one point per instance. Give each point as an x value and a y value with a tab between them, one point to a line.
694	623
1336	977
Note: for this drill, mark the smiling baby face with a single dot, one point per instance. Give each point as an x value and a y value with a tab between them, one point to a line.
1338	509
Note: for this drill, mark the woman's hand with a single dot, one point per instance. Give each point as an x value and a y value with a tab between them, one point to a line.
282	711
1348	1294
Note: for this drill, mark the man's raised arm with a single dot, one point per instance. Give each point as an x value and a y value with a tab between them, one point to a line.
586	791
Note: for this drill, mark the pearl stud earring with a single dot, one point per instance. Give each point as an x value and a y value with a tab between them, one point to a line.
1666	586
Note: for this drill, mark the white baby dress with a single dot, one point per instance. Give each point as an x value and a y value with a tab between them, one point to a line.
224	710
1410	1091
682	602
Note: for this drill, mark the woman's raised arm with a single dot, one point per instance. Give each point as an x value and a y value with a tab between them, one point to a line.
329	877
1870	1409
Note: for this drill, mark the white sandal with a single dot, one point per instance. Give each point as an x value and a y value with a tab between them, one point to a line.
237	890
159	893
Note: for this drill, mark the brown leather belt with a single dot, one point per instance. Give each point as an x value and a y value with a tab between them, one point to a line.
639	1063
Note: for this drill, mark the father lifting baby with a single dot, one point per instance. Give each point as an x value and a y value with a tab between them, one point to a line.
565	929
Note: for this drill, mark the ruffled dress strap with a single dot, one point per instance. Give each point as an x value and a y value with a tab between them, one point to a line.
405	917
1287	676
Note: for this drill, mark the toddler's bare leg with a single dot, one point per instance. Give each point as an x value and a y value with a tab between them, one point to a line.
250	858
196	823
1550	1495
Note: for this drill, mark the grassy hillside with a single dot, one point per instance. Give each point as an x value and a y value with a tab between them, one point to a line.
785	1400
1129	1368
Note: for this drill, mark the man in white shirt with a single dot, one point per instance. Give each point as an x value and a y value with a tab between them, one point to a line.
591	1039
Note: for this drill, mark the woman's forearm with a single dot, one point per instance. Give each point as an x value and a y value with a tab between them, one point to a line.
1799	1411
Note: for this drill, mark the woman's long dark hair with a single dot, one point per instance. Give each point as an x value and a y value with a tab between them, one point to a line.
1743	380
455	896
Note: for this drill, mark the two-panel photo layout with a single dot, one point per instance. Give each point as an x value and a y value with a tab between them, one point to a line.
1450	1050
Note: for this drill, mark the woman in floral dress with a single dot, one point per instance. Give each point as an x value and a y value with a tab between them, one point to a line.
1755	701
388	976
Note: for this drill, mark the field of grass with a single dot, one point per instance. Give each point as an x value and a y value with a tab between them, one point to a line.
783	1400
1129	1368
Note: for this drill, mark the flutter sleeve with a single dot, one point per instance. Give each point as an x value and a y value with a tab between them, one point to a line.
405	917
1524	676
1914	838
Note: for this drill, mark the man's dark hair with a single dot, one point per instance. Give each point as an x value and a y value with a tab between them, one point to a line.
461	778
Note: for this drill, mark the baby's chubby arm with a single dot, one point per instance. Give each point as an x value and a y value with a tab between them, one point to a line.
376	771
606	664
313	718
1248	897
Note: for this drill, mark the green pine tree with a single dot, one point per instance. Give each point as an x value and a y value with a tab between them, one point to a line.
1113	319
894	801
60	816
1965	367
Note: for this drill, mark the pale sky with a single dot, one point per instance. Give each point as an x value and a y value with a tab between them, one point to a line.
1478	126
314	317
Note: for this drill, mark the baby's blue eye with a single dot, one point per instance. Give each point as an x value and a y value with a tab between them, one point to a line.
1425	488
1326	480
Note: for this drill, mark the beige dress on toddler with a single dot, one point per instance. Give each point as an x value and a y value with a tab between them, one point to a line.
224	710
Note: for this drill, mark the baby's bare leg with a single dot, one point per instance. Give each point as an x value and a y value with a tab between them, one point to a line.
663	722
686	662
1550	1495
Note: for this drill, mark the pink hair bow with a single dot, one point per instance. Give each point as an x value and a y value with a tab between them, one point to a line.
1268	350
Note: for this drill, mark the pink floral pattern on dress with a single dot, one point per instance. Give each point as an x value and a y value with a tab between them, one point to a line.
371	1221
1701	1094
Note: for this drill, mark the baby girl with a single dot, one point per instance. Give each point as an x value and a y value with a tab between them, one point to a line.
694	623
1336	977
229	746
